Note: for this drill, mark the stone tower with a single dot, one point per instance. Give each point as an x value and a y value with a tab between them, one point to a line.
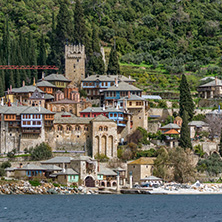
75	63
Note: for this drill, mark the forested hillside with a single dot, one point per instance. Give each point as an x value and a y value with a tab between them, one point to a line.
164	37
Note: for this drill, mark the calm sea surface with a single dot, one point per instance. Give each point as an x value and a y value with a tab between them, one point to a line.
111	208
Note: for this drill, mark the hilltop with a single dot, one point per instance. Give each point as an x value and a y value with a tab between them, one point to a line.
165	38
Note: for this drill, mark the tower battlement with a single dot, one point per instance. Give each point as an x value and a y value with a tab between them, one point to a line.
75	63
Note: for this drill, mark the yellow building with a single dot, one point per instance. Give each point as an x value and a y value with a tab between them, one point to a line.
59	80
140	168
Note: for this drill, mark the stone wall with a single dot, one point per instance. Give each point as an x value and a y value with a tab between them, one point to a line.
208	147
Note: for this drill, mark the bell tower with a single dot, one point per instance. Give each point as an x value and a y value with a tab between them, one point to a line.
75	63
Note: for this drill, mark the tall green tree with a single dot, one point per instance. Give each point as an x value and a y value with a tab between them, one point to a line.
52	58
80	31
96	63
33	58
42	52
186	101
220	144
113	66
6	42
184	140
63	32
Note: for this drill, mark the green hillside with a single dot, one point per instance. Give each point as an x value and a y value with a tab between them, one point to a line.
156	40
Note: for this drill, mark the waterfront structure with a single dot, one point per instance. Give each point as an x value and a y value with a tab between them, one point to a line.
75	63
82	170
140	169
211	89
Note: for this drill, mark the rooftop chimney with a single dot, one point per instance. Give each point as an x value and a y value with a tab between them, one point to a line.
10	89
43	75
34	81
216	80
129	94
23	83
116	82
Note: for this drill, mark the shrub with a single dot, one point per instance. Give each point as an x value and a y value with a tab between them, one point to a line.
5	164
101	157
34	183
41	152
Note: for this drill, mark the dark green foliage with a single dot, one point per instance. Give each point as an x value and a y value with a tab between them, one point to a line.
80	32
6	164
185	141
113	66
198	149
96	64
147	153
11	154
63	33
34	183
186	101
101	157
139	136
199	117
212	164
220	144
41	152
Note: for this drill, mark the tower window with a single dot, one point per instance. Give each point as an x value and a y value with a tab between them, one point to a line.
74	66
77	60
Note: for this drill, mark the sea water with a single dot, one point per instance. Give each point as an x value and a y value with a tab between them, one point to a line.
122	208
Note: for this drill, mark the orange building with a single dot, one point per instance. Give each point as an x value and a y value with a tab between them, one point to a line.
46	87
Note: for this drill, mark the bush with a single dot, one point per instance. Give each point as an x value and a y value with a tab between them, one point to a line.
34	183
41	152
162	104
147	153
5	165
101	157
11	154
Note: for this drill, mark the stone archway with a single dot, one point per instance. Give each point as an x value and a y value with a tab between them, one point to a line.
97	144
110	145
103	145
89	181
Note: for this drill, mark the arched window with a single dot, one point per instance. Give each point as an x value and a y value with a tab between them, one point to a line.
62	109
105	128
86	128
78	128
60	128
100	128
68	128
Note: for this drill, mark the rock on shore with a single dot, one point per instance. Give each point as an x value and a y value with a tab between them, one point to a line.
24	187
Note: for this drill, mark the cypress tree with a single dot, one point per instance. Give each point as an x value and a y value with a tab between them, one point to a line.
184	140
63	32
80	31
52	58
186	101
32	59
220	144
6	42
113	66
42	52
1	87
11	78
96	63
